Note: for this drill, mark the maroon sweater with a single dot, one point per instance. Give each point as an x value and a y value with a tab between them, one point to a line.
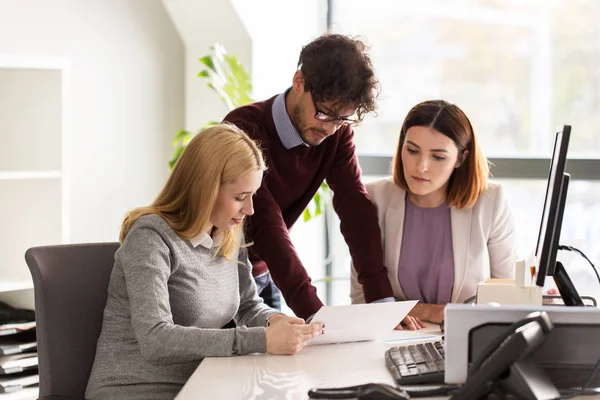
292	179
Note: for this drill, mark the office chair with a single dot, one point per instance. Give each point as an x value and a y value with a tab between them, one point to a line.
70	287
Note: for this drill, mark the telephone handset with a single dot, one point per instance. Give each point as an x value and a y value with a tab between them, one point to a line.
505	363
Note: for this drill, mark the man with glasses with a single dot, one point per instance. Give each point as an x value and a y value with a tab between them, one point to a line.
307	137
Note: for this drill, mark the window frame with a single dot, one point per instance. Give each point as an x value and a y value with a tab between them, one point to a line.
501	168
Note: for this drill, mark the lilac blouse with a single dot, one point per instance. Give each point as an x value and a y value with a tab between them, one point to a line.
426	264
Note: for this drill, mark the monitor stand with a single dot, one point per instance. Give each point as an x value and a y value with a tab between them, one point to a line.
565	286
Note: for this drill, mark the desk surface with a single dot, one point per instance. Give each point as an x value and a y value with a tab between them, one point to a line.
290	377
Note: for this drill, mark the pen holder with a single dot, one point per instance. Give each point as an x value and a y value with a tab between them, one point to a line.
509	291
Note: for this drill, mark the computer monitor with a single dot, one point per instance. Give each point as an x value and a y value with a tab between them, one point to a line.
551	223
549	212
560	211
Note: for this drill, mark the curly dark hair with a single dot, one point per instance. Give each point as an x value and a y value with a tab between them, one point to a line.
338	69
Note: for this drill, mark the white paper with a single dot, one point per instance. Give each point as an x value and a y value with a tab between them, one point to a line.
19	326
18	360
11	380
360	322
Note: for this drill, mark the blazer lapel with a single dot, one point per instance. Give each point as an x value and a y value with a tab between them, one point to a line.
461	238
394	224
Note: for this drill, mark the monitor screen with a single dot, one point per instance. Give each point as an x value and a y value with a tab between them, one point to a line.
546	237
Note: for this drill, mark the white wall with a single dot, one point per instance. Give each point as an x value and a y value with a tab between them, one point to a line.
127	92
267	45
277	38
199	29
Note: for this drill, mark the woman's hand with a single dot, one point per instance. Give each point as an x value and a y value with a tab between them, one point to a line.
434	313
412	323
288	335
274	317
428	312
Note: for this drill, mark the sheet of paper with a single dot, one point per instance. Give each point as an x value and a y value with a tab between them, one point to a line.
18	379
21	326
18	360
360	322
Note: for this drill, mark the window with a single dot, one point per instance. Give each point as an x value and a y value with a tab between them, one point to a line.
526	198
517	68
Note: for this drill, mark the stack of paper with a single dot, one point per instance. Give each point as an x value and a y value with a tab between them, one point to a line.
12	383
18	357
11	329
18	362
19	343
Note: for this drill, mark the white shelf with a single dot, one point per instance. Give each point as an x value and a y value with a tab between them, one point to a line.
34	187
6	175
11	286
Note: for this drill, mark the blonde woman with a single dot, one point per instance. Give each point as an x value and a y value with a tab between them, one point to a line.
182	273
444	226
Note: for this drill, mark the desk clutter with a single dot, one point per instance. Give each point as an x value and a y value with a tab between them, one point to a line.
18	349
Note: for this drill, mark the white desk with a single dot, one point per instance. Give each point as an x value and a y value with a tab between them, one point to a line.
290	377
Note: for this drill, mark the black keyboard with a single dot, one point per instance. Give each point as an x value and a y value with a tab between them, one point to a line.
416	363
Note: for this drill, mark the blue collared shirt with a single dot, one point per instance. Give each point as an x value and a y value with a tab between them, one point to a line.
288	134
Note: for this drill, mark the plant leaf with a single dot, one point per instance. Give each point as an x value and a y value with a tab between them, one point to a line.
180	136
208	61
306	215
228	78
178	152
317	201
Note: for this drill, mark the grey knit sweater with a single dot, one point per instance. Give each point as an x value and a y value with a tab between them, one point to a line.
167	300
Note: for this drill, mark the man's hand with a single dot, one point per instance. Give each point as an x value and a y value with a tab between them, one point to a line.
288	335
412	323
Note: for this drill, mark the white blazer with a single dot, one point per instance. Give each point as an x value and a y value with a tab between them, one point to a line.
484	239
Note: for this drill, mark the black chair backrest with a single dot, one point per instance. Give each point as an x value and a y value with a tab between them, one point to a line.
70	286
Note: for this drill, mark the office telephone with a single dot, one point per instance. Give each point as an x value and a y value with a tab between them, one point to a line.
503	368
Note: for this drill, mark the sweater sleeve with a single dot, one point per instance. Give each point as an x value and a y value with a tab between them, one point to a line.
359	221
252	311
146	262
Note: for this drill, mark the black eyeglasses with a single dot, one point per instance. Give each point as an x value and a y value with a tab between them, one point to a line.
323	117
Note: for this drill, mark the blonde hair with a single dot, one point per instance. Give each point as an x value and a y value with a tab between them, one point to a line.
216	155
470	179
